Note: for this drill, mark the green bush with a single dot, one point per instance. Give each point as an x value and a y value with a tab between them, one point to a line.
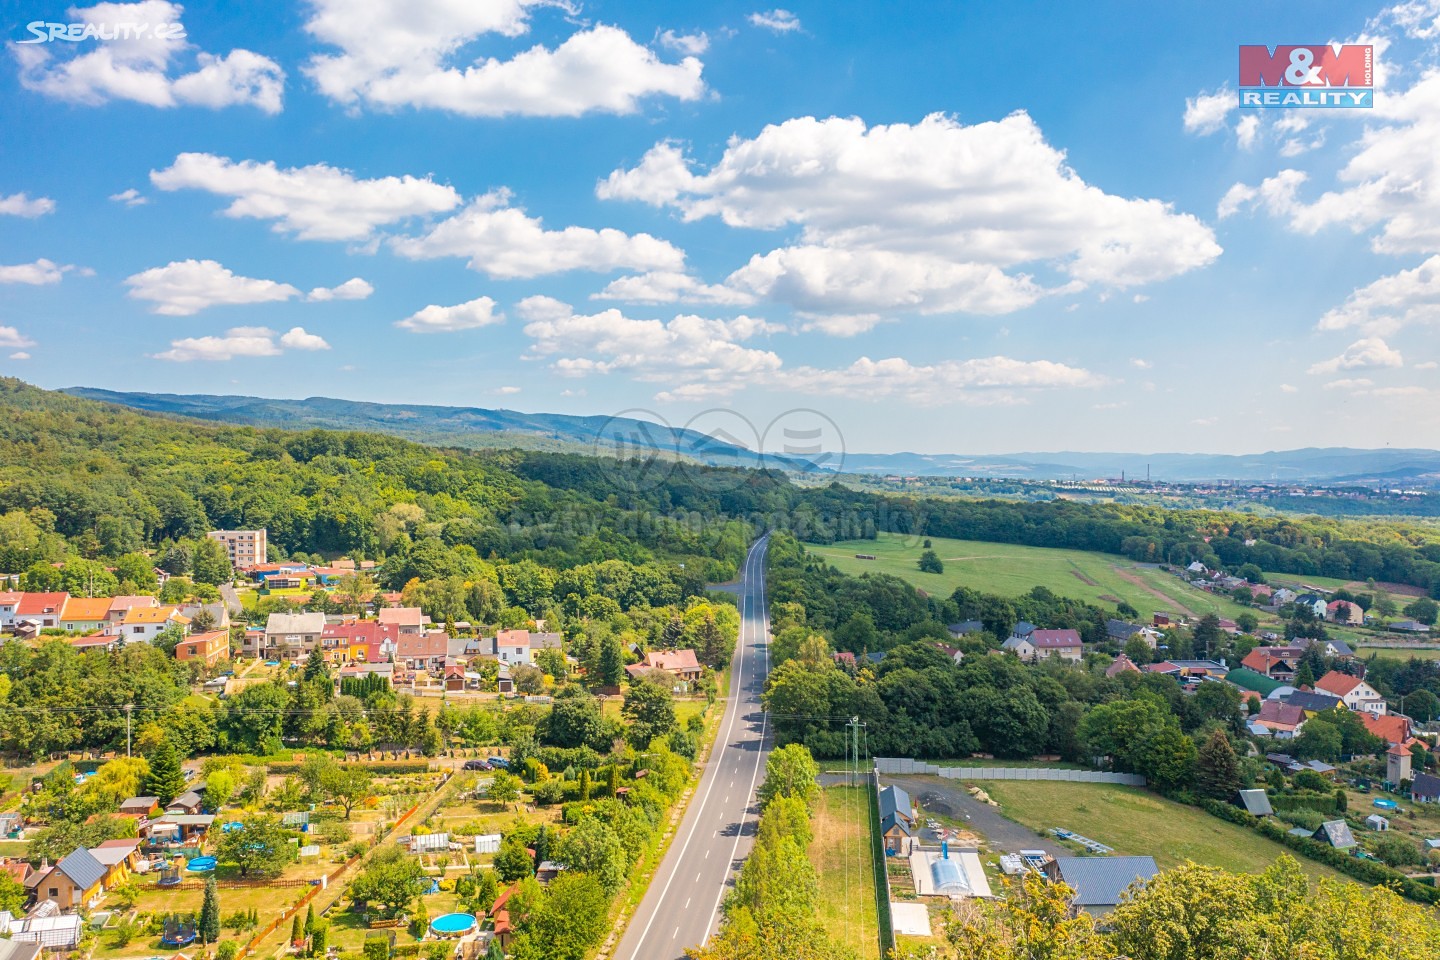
376	948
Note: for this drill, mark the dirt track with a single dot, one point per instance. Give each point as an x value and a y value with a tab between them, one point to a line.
1174	604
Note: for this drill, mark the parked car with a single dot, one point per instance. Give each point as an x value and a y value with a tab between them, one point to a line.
498	763
475	765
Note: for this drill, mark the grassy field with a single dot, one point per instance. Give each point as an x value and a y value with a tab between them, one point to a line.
840	853
1398	653
1136	822
1012	570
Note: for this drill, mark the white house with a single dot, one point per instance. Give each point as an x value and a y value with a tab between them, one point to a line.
512	646
145	623
1358	696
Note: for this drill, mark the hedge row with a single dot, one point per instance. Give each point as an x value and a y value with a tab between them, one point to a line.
378	768
1366	871
1307	800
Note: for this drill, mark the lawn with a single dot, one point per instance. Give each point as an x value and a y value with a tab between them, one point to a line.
1398	653
1012	570
840	853
1137	822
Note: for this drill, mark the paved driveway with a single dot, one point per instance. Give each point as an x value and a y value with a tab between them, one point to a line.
950	799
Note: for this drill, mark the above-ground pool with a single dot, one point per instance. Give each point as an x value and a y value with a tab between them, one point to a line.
452	924
232	826
201	864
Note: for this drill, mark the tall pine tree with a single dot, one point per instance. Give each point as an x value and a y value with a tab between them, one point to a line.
1217	772
209	925
165	780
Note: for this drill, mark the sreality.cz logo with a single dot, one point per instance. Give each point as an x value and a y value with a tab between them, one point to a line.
1309	75
44	31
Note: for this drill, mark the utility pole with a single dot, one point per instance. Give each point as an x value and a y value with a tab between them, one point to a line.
129	709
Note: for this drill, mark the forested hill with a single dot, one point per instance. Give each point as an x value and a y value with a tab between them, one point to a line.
111	481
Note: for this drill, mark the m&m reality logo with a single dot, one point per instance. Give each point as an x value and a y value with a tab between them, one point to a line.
1310	75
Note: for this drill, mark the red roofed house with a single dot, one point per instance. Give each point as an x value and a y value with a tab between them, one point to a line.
366	640
423	651
210	647
84	614
1358	695
119	606
40	610
1392	728
1281	719
1342	611
680	664
1121	665
406	620
1064	644
1277	663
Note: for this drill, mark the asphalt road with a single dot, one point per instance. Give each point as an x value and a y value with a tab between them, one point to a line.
682	907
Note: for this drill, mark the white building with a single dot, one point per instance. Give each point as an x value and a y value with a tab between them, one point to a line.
247	548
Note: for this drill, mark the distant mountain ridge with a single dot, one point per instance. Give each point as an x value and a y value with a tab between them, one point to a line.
482	427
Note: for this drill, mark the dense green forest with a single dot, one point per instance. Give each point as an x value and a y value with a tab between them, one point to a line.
102	481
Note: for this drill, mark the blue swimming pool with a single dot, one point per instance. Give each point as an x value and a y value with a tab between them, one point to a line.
201	864
452	924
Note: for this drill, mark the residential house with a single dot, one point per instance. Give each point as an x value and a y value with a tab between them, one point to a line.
1313	703
1336	833
40	611
368	641
188	802
9	603
1283	596
291	636
1120	665
119	858
84	614
405	620
1100	882
1064	644
954	653
1343	611
425	651
1314	602
1282	720
1120	631
218	613
1336	649
512	646
146	623
1425	788
210	647
1358	695
965	628
680	664
120	606
1276	663
1393	728
1023	629
76	882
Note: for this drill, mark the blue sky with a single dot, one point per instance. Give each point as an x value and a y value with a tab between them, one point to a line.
952	228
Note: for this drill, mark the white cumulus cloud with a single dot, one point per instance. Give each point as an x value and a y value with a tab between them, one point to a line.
929	217
409	55
1364	354
241	342
39	273
1208	112
502	241
182	288
1389	303
780	21
479	312
144	69
691	44
318	202
130	197
661	286
11	339
22	205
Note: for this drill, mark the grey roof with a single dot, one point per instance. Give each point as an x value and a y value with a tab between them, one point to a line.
1121	630
875	656
891	821
966	626
1319	766
1336	833
1313	701
18	950
1341	648
894	800
187	799
1099	881
187	819
1013	643
1023	629
1256	803
82	867
1425	785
